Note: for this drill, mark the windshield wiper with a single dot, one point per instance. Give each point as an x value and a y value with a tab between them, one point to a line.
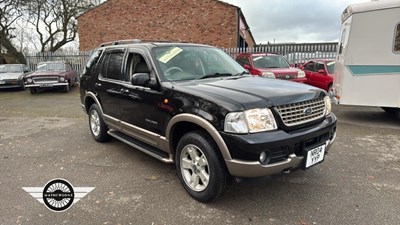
215	75
242	73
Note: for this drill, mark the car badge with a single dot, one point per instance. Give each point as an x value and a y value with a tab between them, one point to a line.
287	76
307	111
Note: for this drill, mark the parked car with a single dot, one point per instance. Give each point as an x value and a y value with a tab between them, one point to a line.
194	106
270	66
52	74
12	75
319	73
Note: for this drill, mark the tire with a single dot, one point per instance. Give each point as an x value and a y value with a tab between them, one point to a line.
33	90
198	160
395	112
96	124
66	88
330	90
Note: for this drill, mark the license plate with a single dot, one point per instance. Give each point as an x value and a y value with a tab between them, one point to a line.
46	85
315	156
2	82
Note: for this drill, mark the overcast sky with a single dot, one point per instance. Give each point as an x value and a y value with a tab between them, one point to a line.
293	20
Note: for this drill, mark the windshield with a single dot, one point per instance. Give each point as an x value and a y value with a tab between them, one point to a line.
331	67
194	62
10	69
270	61
51	66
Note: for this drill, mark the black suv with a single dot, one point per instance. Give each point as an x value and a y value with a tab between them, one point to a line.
194	106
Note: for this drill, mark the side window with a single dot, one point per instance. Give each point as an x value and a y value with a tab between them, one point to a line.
309	66
341	42
135	64
396	47
319	66
114	66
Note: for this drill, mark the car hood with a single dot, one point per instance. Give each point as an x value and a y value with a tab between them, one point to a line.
5	76
280	70
250	92
47	73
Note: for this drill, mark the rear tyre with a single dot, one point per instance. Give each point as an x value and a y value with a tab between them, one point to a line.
96	124
392	111
200	167
66	88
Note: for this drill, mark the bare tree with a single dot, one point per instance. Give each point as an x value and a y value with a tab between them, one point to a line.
55	21
9	13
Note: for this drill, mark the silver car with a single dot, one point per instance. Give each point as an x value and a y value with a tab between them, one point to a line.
12	75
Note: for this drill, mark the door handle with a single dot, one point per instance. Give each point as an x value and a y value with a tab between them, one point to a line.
124	91
97	84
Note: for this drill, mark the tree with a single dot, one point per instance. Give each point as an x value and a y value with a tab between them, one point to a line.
55	21
9	13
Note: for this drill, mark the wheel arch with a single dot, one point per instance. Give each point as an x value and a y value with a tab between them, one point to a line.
90	98
184	123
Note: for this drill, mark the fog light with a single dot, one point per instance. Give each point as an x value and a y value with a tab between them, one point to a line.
263	158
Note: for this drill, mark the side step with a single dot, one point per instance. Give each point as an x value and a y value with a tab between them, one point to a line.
150	150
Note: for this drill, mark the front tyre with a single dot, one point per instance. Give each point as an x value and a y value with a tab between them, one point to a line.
96	124
200	167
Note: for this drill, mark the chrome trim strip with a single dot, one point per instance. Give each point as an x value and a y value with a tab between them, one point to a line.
146	136
185	117
52	85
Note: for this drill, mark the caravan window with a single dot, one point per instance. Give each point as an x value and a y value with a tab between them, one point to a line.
341	42
397	39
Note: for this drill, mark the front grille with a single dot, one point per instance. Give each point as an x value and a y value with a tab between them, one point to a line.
301	112
40	80
286	76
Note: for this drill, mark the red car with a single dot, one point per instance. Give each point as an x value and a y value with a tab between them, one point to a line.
270	66
53	74
319	73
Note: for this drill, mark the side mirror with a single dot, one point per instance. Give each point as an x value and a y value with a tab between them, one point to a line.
247	67
322	71
140	79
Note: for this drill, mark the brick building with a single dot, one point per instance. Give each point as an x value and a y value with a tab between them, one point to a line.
200	21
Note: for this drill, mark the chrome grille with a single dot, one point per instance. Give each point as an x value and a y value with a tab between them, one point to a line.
41	80
286	76
301	112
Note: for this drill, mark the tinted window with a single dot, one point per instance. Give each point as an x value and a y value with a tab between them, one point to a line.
243	60
114	66
319	66
135	64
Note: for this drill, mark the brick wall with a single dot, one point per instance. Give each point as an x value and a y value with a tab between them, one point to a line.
200	21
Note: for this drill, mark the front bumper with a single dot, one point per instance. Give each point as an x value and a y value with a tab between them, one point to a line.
290	147
46	85
11	84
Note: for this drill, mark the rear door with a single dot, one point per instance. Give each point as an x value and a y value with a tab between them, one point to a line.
108	84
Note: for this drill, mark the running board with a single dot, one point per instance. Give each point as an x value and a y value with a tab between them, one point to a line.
141	146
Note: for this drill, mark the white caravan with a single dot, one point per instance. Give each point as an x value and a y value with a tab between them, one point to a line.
367	70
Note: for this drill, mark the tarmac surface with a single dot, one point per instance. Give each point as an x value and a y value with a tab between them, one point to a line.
46	136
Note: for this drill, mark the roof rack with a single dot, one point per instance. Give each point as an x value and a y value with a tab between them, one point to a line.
133	41
119	42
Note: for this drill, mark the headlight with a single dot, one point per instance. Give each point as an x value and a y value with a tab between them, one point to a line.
62	79
328	106
250	121
29	80
268	75
301	74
